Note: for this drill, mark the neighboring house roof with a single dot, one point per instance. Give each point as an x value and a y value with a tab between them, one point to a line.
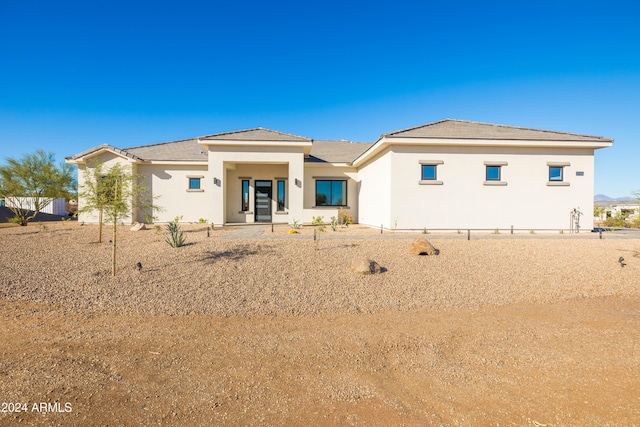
462	129
324	151
255	134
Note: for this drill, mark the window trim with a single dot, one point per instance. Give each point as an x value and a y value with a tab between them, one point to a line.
430	181
557	182
199	189
336	179
494	182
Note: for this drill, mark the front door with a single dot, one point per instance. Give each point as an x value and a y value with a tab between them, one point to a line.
263	201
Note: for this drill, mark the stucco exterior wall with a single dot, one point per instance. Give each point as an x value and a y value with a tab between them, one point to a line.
314	172
464	200
108	160
375	191
169	184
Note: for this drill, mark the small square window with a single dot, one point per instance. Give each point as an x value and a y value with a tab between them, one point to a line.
493	173
555	173
428	172
194	183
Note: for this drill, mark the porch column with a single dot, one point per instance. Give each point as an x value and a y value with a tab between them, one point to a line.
217	184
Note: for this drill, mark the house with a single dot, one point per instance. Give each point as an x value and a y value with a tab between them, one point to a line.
449	174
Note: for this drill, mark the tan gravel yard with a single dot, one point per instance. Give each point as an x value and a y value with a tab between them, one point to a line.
515	330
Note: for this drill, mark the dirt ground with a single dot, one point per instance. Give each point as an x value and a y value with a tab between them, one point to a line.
571	363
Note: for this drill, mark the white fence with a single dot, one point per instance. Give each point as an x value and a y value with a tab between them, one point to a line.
54	206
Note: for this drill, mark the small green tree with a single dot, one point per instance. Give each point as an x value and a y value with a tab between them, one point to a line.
31	183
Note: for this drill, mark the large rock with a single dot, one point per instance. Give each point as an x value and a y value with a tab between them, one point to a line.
365	266
138	226
422	247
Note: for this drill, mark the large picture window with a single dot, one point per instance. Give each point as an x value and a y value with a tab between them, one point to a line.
331	192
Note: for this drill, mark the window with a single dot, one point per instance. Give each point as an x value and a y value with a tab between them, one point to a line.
493	173
555	173
245	195
429	172
331	192
280	194
194	183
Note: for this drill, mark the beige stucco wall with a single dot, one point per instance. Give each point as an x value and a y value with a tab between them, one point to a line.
375	191
464	201
169	184
314	171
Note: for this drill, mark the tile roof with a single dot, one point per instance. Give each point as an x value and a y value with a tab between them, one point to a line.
462	129
325	151
256	134
99	148
183	150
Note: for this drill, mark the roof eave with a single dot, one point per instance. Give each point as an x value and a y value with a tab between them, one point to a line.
386	141
82	158
305	145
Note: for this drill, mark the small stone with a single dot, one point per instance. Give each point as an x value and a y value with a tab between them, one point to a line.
422	247
138	226
365	266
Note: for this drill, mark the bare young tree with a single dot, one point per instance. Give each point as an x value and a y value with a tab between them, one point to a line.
115	192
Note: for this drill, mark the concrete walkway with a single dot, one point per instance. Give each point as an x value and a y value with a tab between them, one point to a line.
246	232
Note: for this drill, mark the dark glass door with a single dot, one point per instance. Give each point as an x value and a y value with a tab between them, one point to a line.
263	201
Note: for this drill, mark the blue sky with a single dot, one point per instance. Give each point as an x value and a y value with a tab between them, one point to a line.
75	74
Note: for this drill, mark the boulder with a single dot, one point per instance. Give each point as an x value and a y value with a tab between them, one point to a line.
138	226
365	266
422	247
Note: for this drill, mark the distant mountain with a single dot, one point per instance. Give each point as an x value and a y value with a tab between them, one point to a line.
605	198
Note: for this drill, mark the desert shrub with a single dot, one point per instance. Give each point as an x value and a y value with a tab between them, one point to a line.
175	236
344	217
618	221
334	223
295	225
318	221
202	221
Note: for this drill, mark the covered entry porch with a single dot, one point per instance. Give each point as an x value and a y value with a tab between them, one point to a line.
258	193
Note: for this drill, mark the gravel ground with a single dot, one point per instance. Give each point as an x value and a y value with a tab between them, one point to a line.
501	330
293	275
